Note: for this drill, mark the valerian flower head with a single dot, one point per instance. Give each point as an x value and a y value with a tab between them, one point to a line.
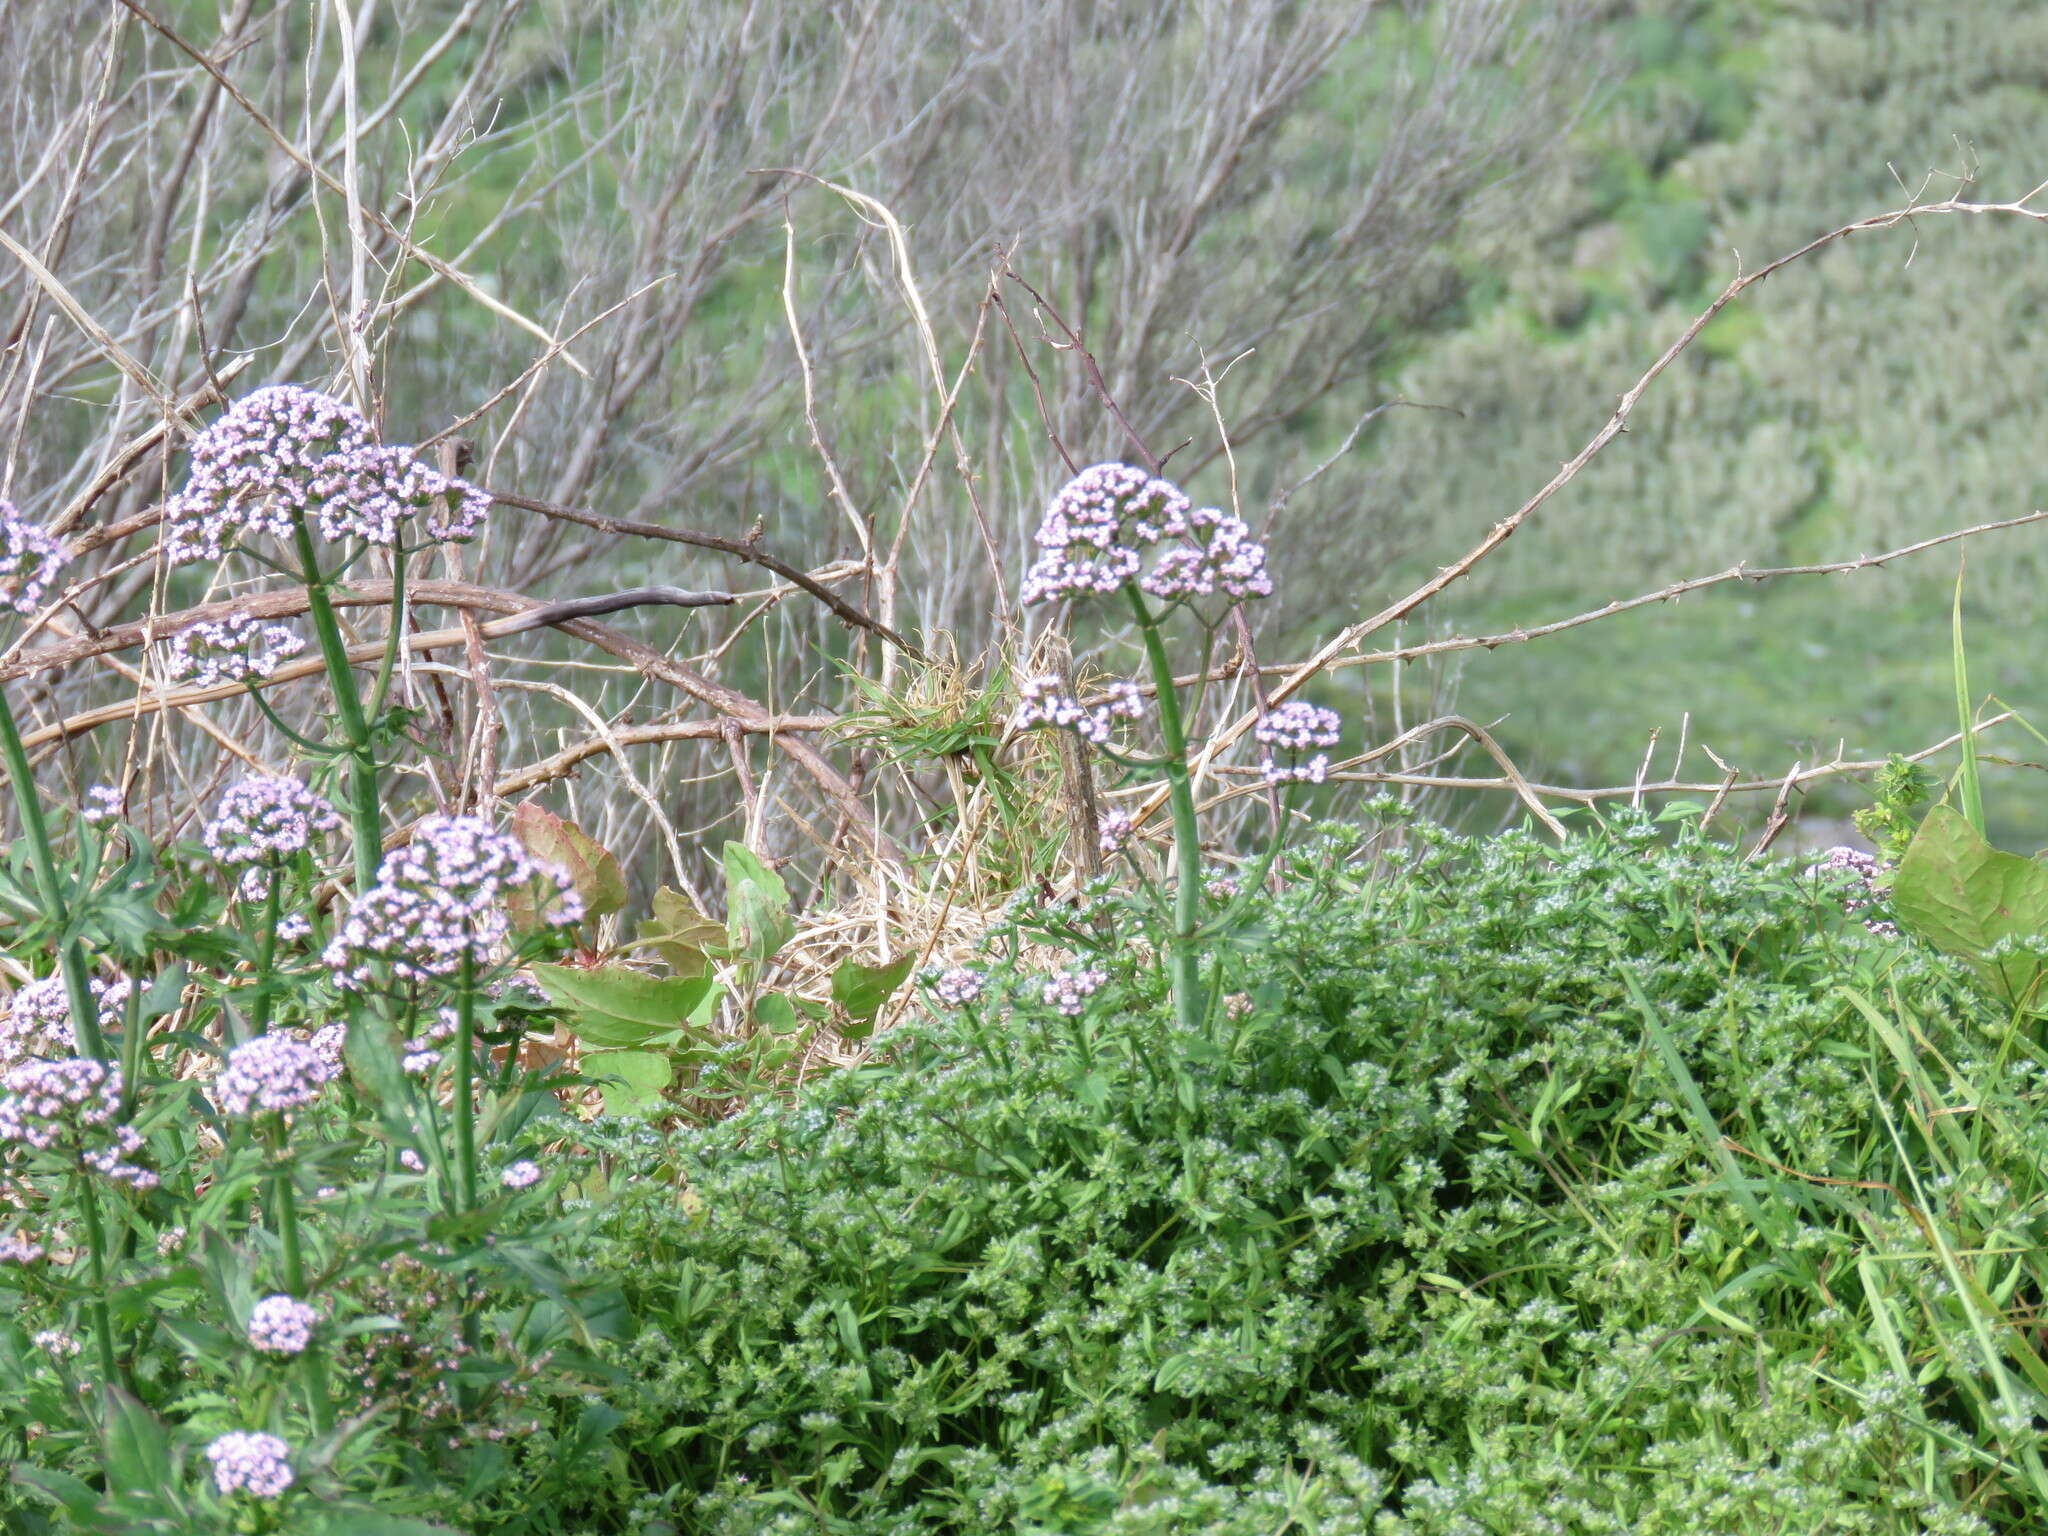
1041	703
56	1343
274	1073
102	805
266	818
30	558
1289	731
1069	990
440	900
1096	528
284	453
523	1174
1224	558
69	1105
253	1463
1115	831
1861	877
231	650
281	1325
37	1022
369	492
959	985
19	1248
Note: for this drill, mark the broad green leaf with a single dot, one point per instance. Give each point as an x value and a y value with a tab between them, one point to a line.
862	990
757	906
777	1014
1962	895
638	1079
590	866
138	1450
613	1007
681	935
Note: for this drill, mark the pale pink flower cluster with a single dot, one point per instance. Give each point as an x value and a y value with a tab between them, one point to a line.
56	1343
441	899
264	819
521	1175
30	558
1289	731
1069	990
230	650
72	1101
1862	890
38	1018
281	1325
1115	831
1224	558
274	1073
102	805
959	986
253	1463
17	1248
1041	703
1095	529
285	452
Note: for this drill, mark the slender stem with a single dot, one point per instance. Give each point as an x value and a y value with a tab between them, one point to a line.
85	1019
286	1198
392	632
364	810
266	953
465	1105
1187	836
1248	891
96	1249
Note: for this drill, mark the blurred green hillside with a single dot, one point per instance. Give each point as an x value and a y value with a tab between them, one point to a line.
1883	391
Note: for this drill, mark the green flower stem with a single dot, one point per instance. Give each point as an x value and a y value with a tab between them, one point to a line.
1187	836
465	1105
96	1253
385	667
85	1019
1248	890
266	953
286	1198
365	813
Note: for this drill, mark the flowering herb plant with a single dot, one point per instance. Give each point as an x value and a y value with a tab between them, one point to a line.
1115	531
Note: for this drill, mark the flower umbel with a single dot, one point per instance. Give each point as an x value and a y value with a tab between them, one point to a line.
959	986
266	818
1095	528
252	1463
30	558
285	452
1289	731
281	1325
441	899
70	1105
1041	703
230	650
273	1072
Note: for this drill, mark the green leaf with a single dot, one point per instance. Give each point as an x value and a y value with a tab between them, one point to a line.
757	906
138	1451
681	935
613	1007
638	1079
1962	895
777	1014
590	866
862	990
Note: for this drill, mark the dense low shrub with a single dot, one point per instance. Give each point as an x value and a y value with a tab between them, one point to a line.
1434	1231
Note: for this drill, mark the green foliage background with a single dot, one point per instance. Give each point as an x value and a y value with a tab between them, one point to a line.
1882	391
